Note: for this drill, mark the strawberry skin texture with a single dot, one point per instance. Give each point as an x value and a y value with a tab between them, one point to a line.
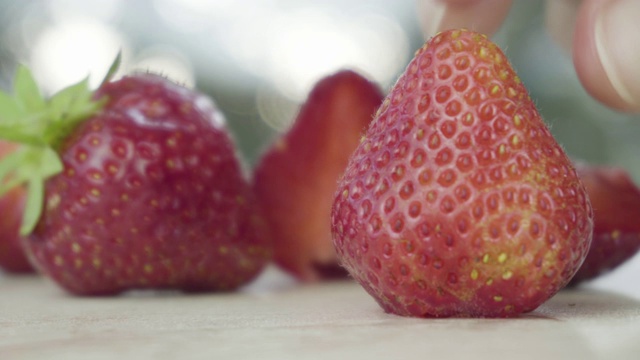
458	201
152	196
296	177
616	209
12	257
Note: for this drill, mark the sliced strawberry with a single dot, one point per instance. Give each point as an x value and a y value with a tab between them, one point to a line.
616	210
12	257
296	177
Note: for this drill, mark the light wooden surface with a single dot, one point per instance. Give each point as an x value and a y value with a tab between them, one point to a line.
275	318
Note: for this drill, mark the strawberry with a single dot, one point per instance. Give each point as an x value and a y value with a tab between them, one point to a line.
296	177
458	201
143	189
616	210
12	257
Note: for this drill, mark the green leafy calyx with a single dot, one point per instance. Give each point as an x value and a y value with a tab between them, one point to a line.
40	126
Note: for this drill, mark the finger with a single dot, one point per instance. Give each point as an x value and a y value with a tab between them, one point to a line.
606	52
560	19
484	16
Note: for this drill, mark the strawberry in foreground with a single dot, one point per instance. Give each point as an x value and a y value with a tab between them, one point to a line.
12	257
144	188
458	201
296	177
616	211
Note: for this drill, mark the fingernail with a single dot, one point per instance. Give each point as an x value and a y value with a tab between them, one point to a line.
617	32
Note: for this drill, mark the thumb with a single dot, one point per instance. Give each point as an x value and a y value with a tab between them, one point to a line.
606	51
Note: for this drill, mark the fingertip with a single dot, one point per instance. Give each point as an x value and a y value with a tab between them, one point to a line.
484	16
606	53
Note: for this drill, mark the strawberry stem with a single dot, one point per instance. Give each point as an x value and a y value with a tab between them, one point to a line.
40	126
113	68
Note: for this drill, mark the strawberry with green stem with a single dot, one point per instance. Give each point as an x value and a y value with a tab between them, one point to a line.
137	185
458	201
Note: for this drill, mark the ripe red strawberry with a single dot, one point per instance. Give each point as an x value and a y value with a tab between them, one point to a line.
296	177
616	229
458	201
12	257
150	194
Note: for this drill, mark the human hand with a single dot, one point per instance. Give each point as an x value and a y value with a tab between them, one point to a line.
602	35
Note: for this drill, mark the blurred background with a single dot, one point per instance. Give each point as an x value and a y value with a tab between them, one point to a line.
259	58
256	58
